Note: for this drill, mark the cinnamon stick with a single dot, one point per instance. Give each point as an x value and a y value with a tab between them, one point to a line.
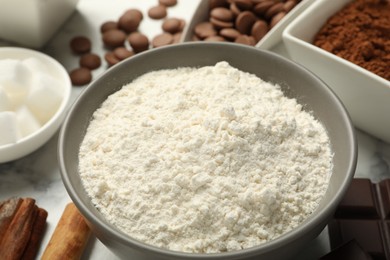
70	236
18	232
8	209
38	230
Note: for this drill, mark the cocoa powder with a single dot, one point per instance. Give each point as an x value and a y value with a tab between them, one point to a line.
360	33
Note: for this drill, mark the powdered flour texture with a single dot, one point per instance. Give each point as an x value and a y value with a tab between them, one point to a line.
207	159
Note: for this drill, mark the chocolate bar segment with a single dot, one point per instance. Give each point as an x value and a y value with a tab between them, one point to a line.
364	216
368	233
384	198
359	201
348	251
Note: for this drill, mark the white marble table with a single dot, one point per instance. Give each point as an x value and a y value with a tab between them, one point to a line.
37	175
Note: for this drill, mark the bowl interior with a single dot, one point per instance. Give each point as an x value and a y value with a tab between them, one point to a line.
295	81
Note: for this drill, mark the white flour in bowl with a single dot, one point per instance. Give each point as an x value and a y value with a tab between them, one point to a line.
204	160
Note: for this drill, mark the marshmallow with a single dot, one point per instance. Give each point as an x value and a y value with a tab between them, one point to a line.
9	132
35	64
27	123
45	97
14	76
5	103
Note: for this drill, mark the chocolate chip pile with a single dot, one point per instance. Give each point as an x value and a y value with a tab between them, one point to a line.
122	39
242	21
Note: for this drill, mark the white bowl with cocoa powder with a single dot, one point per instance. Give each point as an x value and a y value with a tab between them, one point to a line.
295	82
365	94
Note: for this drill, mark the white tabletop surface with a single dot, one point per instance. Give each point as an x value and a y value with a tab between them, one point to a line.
37	175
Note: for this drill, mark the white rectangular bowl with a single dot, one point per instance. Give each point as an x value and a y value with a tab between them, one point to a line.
365	94
31	23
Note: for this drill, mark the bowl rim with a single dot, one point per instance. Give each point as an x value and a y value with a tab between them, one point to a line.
111	231
289	35
57	116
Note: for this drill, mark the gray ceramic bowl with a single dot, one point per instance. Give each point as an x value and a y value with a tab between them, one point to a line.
295	81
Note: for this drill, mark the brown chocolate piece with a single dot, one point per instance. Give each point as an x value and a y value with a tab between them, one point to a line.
162	39
384	198
273	10
348	251
245	39
134	12
259	29
80	44
111	58
215	38
234	8
245	21
138	41
218	3
109	25
288	5
276	18
262	8
167	3
91	61
157	12
172	25
229	33
122	53
222	14
220	24
359	201
114	38
243	4
204	30
80	76
128	22
363	215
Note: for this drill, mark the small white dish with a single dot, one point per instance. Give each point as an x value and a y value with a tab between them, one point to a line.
365	94
273	37
31	23
31	142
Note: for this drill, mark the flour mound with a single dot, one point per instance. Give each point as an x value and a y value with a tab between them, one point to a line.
204	160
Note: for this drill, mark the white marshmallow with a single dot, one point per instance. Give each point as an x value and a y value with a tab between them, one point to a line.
15	77
45	97
5	103
35	64
27	123
9	132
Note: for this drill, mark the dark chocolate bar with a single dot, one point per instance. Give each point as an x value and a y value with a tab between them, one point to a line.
348	251
364	216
